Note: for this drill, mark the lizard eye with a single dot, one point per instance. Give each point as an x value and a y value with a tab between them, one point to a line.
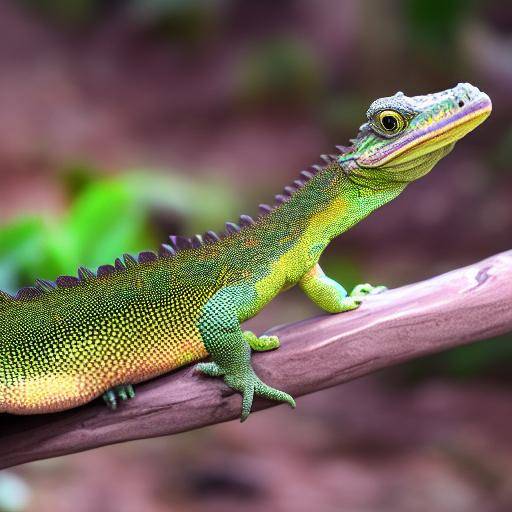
390	122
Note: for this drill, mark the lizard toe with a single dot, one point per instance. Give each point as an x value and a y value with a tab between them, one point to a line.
361	290
124	392
261	343
110	399
265	391
210	369
247	399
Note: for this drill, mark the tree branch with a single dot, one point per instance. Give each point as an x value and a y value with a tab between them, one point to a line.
453	309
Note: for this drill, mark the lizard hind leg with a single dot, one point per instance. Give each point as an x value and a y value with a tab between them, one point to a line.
123	392
230	349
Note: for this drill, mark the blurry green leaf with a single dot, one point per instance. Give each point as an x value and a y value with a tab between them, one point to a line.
203	204
56	256
20	234
105	221
344	270
78	175
20	248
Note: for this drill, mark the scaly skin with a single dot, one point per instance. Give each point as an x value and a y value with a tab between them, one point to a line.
61	347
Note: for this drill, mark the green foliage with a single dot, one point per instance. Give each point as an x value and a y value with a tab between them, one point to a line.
201	204
108	217
20	248
104	220
102	223
342	269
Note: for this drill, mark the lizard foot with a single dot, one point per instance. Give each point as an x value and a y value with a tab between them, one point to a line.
250	385
261	343
123	392
362	290
247	383
355	299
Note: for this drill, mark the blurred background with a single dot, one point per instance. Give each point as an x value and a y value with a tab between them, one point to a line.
124	121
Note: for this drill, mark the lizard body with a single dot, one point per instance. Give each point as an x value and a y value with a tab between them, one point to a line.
63	344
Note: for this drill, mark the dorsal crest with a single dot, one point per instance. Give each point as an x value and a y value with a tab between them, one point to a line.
175	243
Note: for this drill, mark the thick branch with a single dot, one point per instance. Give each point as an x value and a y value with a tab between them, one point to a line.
453	309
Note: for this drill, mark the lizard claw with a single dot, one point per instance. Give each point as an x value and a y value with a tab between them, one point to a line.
265	391
250	386
261	343
123	392
362	290
210	369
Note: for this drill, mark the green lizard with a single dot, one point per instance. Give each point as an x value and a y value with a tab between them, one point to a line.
63	344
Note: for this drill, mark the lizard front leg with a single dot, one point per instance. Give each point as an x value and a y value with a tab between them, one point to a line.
330	295
230	349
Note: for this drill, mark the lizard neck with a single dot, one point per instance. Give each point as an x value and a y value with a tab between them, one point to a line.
340	203
276	251
327	205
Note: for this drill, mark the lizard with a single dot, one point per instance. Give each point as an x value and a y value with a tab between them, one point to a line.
65	343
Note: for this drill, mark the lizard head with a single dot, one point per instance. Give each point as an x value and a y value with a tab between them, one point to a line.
404	137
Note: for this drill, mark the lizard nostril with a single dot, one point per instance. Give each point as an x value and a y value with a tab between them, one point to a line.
461	103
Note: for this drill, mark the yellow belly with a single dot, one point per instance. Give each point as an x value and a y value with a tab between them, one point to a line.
60	391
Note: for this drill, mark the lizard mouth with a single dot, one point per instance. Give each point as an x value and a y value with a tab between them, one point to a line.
442	132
